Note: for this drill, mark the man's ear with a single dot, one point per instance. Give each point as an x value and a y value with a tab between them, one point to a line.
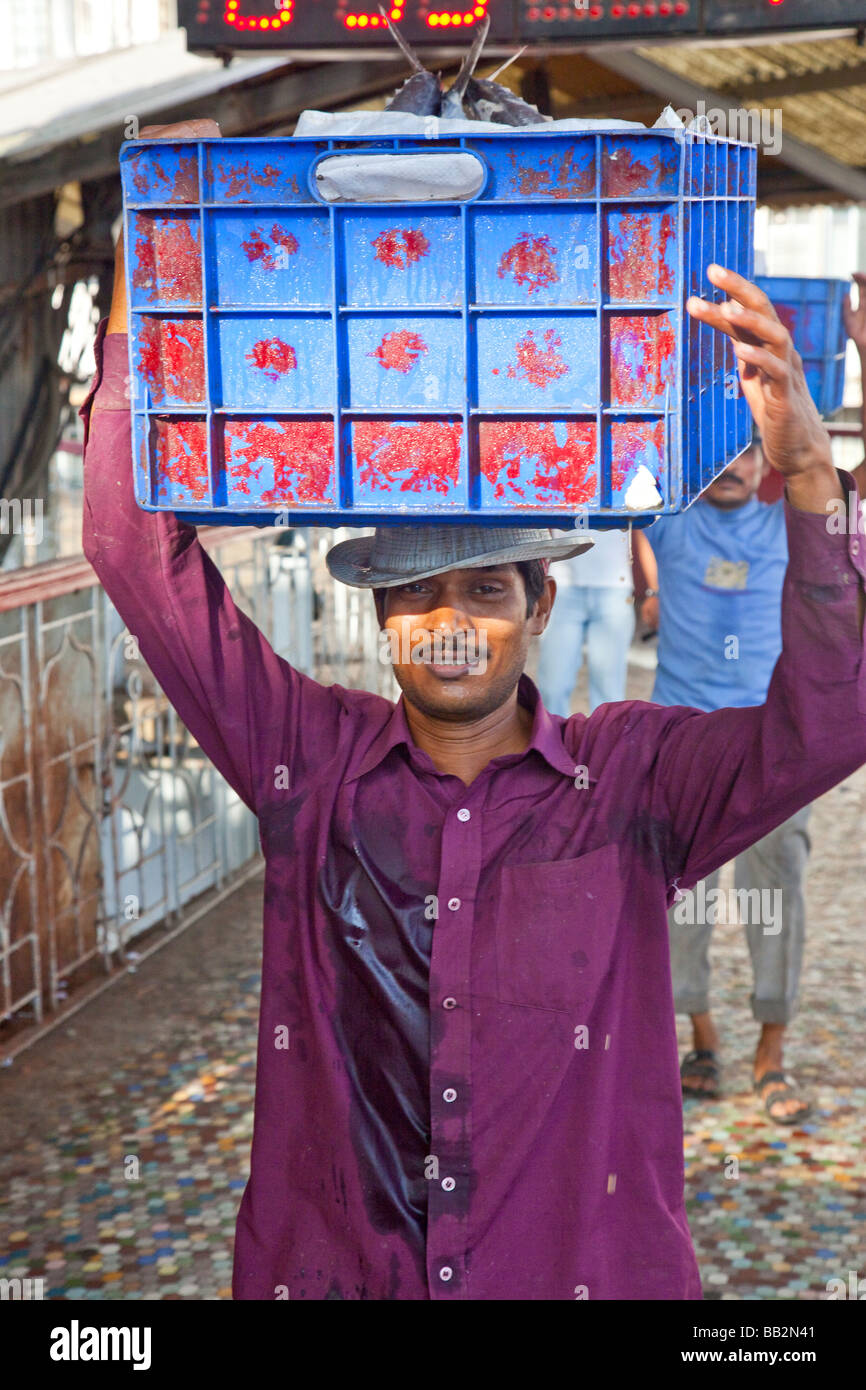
543	607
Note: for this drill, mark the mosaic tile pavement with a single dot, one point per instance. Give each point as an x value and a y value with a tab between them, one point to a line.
160	1070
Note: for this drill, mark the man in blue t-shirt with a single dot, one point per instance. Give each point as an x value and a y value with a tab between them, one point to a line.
715	574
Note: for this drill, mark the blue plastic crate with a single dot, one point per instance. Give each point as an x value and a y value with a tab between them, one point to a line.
513	357
811	310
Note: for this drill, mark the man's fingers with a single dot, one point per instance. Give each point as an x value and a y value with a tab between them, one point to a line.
737	287
744	325
776	368
766	329
736	323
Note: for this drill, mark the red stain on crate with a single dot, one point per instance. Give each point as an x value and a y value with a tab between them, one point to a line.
256	248
636	260
530	262
149	178
168	262
429	451
273	357
180	454
185	188
238	180
624	174
400	350
556	177
564	472
302	453
642	357
538	365
287	240
140	181
634	442
400	246
171	359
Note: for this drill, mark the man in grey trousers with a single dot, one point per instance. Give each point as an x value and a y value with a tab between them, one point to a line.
715	575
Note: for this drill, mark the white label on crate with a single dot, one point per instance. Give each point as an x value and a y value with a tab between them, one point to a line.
642	493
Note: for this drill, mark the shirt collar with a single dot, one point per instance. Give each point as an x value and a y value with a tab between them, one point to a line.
731	516
545	737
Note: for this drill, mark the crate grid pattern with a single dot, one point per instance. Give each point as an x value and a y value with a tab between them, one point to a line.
811	310
512	357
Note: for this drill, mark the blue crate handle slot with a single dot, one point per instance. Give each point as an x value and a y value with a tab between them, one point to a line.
408	156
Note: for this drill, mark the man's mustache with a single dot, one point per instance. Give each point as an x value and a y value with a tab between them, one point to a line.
731	478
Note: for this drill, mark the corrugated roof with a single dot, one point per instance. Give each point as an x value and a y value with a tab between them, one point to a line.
831	117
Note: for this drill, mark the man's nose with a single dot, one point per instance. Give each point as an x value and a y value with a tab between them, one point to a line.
448	617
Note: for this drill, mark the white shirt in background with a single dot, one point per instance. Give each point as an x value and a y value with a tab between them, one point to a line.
606	566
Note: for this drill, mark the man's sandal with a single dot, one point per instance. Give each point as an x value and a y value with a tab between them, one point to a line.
700	1065
786	1089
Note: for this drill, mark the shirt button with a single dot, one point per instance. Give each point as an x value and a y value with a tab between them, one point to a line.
449	1003
448	1184
445	1273
450	1094
453	904
855	550
463	814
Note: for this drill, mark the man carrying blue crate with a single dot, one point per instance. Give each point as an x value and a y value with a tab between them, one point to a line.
716	575
467	1082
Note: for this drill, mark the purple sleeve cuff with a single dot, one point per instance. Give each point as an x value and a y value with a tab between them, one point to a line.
828	550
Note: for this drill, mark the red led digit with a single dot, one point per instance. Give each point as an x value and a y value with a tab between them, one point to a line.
277	18
447	18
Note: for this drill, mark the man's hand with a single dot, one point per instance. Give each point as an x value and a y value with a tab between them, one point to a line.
183	130
200	129
794	439
649	613
855	319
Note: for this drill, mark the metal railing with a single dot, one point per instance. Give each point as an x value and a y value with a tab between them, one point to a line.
112	820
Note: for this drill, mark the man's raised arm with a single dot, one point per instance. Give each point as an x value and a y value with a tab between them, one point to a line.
245	705
722	780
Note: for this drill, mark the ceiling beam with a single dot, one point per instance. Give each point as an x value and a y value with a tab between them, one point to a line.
630	107
796	84
240	110
681	92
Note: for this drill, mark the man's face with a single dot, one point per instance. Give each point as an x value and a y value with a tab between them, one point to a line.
739	482
487	607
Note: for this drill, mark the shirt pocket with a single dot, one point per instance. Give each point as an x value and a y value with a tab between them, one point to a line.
555	927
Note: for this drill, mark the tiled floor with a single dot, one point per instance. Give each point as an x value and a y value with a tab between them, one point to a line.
126	1132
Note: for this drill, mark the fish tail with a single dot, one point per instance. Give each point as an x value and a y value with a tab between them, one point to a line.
470	62
405	48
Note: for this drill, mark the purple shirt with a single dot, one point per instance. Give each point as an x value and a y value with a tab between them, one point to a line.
483	1103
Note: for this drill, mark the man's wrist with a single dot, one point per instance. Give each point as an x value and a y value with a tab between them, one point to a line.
814	487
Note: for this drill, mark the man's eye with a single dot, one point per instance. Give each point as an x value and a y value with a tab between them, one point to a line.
489	588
